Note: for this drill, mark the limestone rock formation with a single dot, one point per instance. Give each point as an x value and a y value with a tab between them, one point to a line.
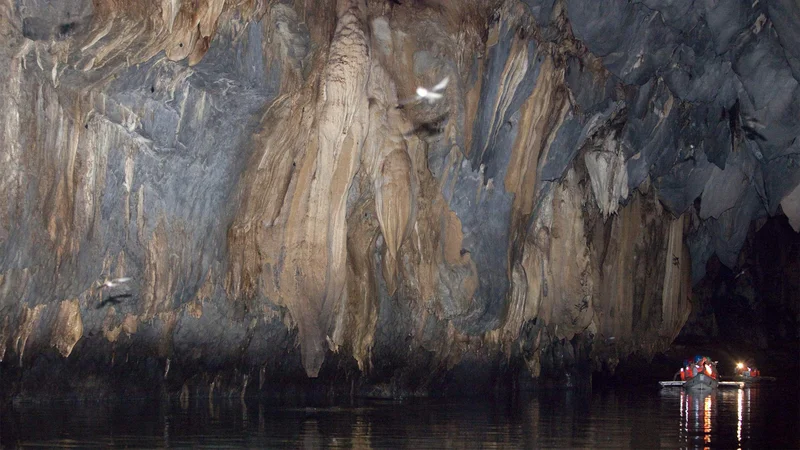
284	213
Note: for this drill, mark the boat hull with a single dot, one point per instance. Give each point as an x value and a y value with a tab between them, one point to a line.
701	382
753	380
726	384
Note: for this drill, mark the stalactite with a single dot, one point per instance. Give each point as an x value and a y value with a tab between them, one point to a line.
283	202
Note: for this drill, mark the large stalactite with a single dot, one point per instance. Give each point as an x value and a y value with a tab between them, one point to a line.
285	213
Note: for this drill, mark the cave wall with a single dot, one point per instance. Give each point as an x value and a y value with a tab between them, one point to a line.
247	164
755	306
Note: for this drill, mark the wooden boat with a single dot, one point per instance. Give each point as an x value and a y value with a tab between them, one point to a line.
701	382
748	374
721	384
752	380
699	376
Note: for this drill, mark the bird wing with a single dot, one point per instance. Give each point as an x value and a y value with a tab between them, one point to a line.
442	84
433	96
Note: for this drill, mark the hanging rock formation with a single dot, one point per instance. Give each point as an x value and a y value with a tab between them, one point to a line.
286	213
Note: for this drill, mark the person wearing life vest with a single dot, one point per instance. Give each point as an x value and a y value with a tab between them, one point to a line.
747	369
701	365
711	369
752	370
751	366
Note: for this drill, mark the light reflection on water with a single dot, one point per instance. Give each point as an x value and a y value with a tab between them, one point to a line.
640	418
739	418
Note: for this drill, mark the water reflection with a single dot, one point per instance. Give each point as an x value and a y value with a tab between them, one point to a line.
643	418
707	419
740	415
736	418
745	401
697	414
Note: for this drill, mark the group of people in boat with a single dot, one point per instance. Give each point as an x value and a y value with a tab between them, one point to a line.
701	373
747	370
707	366
701	364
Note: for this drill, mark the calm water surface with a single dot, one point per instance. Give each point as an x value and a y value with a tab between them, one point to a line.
765	417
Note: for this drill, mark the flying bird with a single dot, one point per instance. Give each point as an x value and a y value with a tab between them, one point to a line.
431	95
115	282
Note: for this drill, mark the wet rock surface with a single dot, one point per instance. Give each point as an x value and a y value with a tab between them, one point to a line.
287	226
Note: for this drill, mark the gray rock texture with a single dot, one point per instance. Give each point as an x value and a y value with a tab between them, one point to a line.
289	216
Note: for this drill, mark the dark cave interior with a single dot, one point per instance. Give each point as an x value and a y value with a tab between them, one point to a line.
748	313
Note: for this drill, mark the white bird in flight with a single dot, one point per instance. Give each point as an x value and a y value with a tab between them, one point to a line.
115	282
431	95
